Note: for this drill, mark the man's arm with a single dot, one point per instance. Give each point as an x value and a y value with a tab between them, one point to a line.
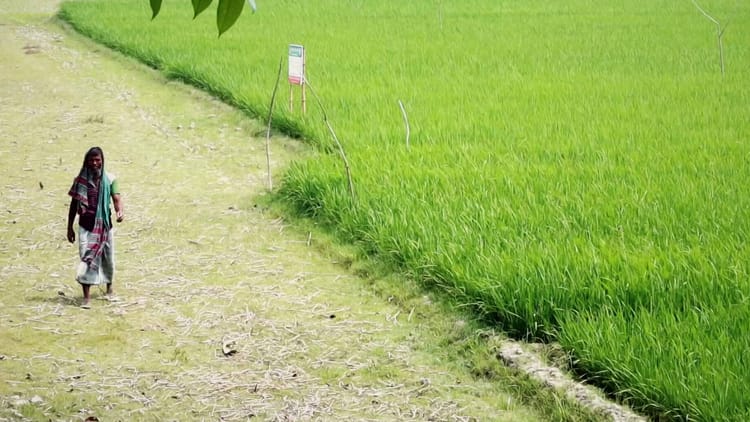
71	218
119	210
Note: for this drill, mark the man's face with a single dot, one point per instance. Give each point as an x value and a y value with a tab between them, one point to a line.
94	163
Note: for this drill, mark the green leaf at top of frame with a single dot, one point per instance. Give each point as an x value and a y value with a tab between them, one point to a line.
199	6
155	7
227	14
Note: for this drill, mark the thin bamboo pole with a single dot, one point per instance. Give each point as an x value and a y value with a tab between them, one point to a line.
719	34
406	122
338	144
268	127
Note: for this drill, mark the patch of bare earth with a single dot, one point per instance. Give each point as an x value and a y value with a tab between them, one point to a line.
224	313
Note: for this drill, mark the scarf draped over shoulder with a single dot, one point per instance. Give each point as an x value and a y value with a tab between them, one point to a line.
102	220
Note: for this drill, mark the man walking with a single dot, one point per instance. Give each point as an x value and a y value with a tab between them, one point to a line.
90	198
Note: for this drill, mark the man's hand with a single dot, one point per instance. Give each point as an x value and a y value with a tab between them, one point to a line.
71	235
117	199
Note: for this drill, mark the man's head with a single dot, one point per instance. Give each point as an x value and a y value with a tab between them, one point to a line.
94	161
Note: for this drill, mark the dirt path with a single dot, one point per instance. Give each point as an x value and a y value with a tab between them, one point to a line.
202	270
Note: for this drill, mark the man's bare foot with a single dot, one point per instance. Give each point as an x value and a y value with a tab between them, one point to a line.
110	295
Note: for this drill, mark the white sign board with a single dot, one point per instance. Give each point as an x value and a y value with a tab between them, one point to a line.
296	64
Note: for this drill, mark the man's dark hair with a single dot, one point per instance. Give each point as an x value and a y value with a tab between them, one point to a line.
93	151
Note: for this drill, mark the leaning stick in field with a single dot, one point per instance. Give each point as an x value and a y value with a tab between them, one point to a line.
335	138
268	128
406	122
440	15
719	34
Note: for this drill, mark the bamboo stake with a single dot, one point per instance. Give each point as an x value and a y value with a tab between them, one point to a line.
336	139
268	128
291	97
406	122
304	98
719	34
440	14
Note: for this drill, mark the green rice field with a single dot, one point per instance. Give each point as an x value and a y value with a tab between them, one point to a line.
577	172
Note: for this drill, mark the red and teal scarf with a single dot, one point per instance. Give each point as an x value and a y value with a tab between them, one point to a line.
102	220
